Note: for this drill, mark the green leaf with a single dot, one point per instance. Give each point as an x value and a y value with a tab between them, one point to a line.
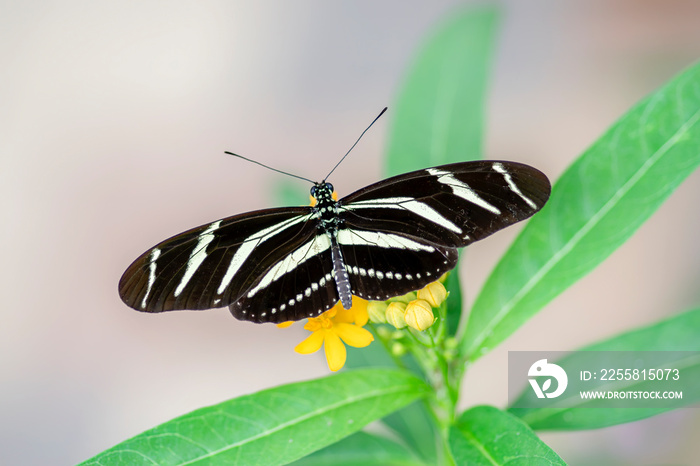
596	205
439	115
679	333
416	428
485	435
274	426
412	424
362	448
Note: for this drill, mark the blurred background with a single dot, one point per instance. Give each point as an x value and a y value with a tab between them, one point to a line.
114	117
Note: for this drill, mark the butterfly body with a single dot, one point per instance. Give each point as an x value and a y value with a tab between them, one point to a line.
384	240
326	213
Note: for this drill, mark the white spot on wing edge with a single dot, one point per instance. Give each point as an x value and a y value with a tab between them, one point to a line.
151	275
511	184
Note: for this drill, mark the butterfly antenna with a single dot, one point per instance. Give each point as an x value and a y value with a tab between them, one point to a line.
353	146
270	168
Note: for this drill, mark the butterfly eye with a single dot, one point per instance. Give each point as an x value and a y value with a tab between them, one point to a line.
329	187
313	191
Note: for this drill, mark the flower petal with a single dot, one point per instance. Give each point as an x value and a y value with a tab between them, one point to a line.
335	351
285	324
312	343
359	310
353	335
344	315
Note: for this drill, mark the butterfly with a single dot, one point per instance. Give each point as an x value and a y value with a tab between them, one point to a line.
290	263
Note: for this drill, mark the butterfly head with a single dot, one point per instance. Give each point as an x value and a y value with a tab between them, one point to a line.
322	192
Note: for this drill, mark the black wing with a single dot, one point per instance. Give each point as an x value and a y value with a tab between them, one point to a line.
403	233
222	263
395	236
298	284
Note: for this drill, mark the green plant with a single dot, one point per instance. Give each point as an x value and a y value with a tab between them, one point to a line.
414	383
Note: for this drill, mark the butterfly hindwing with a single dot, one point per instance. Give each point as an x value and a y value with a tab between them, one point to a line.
298	285
383	265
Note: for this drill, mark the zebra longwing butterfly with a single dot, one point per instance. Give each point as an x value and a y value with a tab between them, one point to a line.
387	239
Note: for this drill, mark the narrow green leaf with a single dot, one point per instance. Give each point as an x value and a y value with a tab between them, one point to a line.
274	426
679	333
485	435
596	205
439	115
362	448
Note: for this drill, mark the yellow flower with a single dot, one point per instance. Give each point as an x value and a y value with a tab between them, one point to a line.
419	315
434	293
335	327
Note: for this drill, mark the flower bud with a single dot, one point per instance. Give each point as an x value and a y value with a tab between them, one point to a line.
394	314
434	293
377	311
419	315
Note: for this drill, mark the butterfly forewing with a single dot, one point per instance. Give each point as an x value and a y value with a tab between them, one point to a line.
213	265
452	205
